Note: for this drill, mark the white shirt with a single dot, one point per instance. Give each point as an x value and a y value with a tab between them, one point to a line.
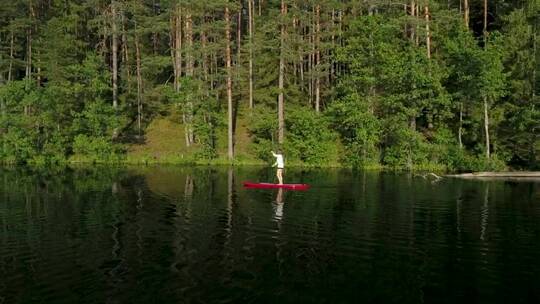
279	161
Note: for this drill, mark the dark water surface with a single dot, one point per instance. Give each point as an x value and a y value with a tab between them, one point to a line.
194	235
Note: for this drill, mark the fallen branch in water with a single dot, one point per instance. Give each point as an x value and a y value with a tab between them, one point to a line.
425	176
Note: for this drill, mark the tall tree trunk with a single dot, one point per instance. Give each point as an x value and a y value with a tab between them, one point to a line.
466	13
317	57
312	58
215	74
297	29
301	55
413	11
204	66
486	126
11	48
29	61
332	62
176	53
485	33
250	29
189	41
485	21
2	106
465	8
486	105
460	131
172	45
114	54
340	39
230	145
125	52
260	7
102	47
417	31
204	60
301	66
28	71
189	72
155	35
281	116
372	91
428	34
178	46
139	83
238	38
535	63
429	114
534	136
38	67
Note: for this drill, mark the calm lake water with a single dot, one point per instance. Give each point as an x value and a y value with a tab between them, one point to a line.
195	235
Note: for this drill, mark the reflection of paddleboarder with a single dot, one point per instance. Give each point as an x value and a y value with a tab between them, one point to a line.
279	204
280	165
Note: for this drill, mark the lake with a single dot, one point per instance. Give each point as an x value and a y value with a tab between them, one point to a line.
175	234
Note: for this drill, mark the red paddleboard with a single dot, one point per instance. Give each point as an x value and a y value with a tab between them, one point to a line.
270	186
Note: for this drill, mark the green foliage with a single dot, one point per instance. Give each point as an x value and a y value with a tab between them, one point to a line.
17	147
521	121
97	119
204	127
309	137
405	147
54	150
464	161
359	129
263	129
95	149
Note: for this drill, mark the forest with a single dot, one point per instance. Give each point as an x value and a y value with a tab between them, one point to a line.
420	84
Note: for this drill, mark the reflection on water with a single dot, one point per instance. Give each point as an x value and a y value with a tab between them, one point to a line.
279	204
193	234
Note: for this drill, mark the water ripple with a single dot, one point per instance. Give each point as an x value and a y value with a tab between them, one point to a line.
197	237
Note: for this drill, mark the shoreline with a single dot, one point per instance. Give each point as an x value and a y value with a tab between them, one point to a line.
442	170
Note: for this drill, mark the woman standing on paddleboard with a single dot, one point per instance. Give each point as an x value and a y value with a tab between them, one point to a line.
280	165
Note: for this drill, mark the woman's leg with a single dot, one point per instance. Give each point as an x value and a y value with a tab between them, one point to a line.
280	176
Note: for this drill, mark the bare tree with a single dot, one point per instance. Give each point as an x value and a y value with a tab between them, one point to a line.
466	12
281	116
251	16
230	142
486	106
317	57
139	82
114	54
428	34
